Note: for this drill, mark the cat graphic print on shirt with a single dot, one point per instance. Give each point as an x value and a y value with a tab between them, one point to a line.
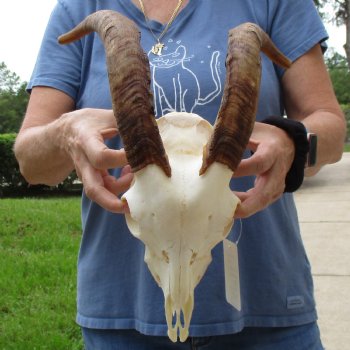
186	93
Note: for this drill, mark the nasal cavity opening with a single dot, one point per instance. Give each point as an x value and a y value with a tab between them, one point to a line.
178	319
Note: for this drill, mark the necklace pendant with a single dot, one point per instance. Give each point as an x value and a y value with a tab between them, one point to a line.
157	49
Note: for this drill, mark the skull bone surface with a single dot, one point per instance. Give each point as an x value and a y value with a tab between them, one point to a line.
181	218
180	202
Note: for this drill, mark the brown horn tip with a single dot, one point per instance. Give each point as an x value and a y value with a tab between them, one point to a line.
129	80
236	116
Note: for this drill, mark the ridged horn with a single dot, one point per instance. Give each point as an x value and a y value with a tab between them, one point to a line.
129	80
236	116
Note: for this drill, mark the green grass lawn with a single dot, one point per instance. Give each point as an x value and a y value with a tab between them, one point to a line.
39	241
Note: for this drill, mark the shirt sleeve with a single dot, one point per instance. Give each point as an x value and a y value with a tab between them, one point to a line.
58	66
295	27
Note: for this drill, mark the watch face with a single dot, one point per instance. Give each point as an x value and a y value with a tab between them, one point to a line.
312	155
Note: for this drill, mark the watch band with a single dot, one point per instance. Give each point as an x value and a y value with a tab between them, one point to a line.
298	133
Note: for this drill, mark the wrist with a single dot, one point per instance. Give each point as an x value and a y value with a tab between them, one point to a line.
298	133
63	134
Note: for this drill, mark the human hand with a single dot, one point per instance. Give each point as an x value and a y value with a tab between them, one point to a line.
273	155
84	132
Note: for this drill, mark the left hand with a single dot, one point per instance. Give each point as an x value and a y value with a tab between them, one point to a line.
273	155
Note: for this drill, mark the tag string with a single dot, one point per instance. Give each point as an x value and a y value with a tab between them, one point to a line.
240	232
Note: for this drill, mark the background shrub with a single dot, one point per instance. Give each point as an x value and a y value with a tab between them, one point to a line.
346	110
12	183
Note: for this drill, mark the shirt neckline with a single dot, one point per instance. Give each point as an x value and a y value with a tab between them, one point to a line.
136	14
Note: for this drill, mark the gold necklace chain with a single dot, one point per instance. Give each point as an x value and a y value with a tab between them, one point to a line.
158	47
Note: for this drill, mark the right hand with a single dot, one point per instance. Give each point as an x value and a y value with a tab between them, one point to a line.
272	158
84	132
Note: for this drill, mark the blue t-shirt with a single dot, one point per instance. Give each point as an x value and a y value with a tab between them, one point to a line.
115	287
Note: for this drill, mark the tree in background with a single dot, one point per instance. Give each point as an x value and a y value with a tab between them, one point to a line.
340	75
338	65
9	81
13	100
340	16
13	104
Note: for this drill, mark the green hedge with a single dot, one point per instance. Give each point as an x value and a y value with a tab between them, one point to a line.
12	182
346	110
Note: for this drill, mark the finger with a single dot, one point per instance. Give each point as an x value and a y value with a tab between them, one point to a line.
109	133
242	196
77	170
95	189
253	145
126	170
118	186
249	205
267	189
101	196
258	163
102	157
253	202
126	206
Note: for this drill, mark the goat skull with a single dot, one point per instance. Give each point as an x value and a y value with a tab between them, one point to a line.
182	217
180	202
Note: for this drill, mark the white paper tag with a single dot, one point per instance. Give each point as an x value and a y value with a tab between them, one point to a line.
232	285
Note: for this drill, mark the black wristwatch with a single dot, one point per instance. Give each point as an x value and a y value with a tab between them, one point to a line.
311	157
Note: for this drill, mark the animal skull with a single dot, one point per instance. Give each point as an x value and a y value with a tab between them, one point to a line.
181	218
181	205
